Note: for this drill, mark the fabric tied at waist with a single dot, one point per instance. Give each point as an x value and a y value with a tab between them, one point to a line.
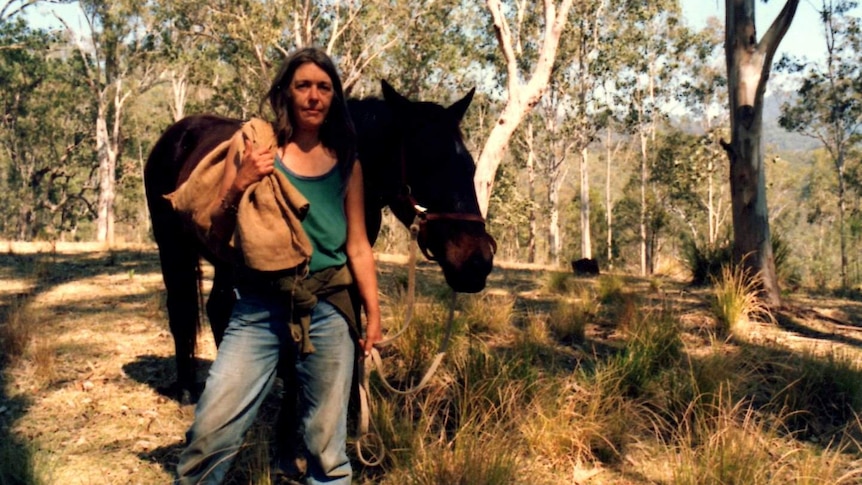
301	292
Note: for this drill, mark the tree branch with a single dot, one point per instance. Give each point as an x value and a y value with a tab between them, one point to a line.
9	10
91	77
504	39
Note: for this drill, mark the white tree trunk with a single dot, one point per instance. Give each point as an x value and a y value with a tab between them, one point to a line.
522	95
586	237
609	209
107	158
643	211
554	241
531	194
179	89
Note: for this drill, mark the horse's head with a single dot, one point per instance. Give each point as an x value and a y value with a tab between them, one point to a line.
437	189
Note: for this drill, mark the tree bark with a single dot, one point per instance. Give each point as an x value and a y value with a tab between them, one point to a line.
643	205
531	195
107	170
748	66
586	237
608	207
522	95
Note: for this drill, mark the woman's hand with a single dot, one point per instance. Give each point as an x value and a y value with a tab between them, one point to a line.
255	165
373	335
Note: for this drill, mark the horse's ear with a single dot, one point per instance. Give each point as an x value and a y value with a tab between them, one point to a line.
395	100
459	108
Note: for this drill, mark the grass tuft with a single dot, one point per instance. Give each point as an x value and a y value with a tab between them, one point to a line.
559	282
735	299
705	261
724	442
488	314
16	330
653	345
610	289
569	318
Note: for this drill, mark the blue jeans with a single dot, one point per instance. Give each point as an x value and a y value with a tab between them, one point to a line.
243	374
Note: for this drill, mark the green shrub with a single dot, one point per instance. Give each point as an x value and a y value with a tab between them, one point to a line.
705	261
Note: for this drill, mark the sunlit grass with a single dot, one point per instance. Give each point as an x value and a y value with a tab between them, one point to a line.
736	299
569	318
488	314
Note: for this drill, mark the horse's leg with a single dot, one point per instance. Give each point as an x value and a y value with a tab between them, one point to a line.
290	460
221	300
180	270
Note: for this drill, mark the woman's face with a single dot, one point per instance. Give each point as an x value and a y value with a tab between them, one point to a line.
312	92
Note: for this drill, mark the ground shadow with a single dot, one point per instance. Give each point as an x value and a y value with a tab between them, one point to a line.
165	456
16	460
160	374
259	445
792	323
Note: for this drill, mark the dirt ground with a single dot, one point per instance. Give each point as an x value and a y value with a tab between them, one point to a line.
86	404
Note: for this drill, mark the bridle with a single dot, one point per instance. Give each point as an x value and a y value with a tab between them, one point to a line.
422	216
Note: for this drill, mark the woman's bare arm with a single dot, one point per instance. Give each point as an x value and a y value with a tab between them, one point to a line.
360	259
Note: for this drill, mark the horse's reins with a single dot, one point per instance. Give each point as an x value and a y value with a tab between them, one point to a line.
417	234
374	360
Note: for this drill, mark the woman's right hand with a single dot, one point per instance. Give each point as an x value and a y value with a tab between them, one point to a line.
255	165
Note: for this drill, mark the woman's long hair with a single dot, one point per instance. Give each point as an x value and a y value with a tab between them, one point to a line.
337	133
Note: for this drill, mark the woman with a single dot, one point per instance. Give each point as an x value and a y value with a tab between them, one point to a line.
316	150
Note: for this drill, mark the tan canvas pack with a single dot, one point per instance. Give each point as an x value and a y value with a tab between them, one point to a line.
268	234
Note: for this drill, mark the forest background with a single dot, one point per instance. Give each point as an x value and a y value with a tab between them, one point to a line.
618	159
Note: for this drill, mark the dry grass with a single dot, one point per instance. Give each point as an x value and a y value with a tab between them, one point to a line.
736	300
547	380
17	330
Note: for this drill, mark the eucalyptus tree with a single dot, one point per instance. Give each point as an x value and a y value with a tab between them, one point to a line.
749	63
557	141
703	93
188	52
682	172
116	66
561	121
828	107
13	8
526	76
583	60
643	87
436	51
46	178
819	213
252	37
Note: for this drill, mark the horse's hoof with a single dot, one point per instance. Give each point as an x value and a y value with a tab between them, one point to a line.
185	398
183	394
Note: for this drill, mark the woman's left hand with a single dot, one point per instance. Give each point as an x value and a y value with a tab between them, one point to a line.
373	335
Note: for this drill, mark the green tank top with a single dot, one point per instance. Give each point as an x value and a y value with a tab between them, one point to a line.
326	223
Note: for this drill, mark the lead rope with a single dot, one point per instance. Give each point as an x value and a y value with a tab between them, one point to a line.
366	368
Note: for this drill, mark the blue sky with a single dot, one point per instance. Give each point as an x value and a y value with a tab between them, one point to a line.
804	38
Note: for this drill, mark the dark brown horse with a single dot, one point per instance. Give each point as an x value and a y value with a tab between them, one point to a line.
414	161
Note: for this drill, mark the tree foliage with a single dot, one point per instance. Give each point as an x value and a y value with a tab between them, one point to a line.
47	149
629	86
